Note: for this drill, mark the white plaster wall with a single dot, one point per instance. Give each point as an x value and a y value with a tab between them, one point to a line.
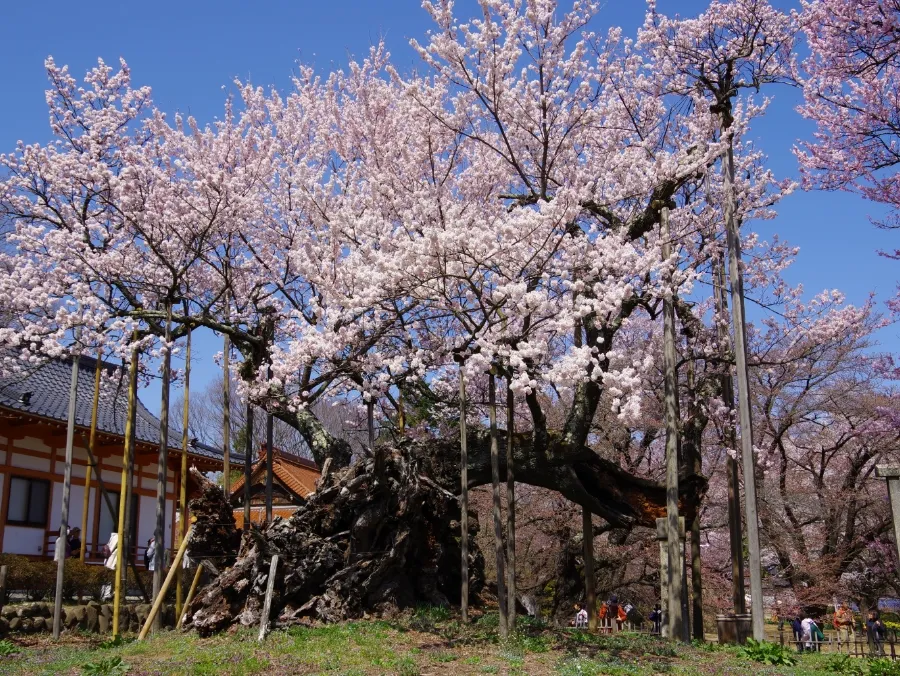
20	540
29	462
32	444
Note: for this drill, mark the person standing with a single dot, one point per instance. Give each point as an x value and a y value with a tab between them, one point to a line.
150	555
843	623
656	619
876	633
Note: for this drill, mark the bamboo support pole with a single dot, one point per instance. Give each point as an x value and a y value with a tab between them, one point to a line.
92	444
4	570
174	570
248	463
121	554
66	496
510	507
182	495
270	455
162	462
190	596
463	499
495	494
226	409
267	604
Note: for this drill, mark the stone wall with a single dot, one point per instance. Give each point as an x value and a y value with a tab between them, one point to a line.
35	618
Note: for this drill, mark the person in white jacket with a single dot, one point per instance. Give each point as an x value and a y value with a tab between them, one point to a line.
112	548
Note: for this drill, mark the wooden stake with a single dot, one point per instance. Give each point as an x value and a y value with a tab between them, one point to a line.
743	379
162	463
510	507
590	582
92	441
190	596
463	498
676	556
67	491
174	570
248	466
121	554
185	421
495	492
267	604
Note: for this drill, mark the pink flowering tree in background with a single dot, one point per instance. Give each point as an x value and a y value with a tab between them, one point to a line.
850	82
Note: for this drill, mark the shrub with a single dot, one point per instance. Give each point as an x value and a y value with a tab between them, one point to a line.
884	667
112	666
7	648
844	664
768	653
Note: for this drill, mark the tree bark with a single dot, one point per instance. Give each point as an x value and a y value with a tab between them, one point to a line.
464	499
162	461
590	580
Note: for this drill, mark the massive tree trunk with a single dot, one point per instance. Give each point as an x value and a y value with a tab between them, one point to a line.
405	529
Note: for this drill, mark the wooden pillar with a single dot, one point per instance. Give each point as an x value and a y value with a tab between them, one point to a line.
67	488
270	455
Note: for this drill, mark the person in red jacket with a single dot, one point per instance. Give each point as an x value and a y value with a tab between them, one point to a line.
612	615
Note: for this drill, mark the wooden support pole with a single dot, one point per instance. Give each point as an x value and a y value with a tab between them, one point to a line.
731	466
510	506
743	380
590	581
190	596
182	494
174	570
662	536
162	463
892	474
66	496
463	498
495	493
92	441
121	554
676	555
270	455
267	604
248	462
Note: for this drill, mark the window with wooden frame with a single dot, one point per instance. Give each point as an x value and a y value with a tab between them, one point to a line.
28	502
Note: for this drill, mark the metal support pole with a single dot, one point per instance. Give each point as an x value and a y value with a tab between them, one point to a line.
67	490
270	456
226	409
248	463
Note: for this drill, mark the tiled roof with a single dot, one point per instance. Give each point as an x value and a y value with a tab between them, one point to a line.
297	474
43	390
258	514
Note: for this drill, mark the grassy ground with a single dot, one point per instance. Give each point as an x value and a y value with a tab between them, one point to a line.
427	642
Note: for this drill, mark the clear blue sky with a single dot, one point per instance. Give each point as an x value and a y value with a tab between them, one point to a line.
187	51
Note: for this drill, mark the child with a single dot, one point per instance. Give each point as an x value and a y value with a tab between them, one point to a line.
581	617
